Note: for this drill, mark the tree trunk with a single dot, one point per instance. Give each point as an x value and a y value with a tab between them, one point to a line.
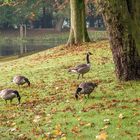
21	32
43	20
59	24
25	30
78	31
122	31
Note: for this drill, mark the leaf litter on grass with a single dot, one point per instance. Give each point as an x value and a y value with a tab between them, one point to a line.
49	109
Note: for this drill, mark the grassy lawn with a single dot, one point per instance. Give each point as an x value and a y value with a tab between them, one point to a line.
48	108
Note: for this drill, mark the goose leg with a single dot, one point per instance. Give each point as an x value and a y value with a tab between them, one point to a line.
85	96
11	101
19	87
78	76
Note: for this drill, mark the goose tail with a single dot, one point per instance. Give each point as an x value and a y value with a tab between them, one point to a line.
72	70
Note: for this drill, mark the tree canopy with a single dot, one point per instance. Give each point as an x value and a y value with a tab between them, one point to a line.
19	11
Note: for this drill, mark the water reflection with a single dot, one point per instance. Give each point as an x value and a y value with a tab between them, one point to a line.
23	49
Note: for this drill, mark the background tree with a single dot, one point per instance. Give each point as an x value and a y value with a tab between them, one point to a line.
122	18
6	16
37	13
94	18
78	31
61	13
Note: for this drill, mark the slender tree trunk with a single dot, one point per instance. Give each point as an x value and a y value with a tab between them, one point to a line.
21	32
43	17
78	31
25	30
123	41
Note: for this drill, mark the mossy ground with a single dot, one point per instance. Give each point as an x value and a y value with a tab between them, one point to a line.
48	108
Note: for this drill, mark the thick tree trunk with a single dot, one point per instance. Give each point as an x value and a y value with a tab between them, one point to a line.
59	24
78	31
123	41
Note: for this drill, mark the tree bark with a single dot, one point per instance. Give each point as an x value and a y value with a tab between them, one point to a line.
25	30
120	23
78	31
21	32
58	26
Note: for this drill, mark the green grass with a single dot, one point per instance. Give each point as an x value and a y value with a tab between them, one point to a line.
48	108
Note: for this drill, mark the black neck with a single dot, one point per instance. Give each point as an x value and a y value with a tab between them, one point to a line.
18	96
16	92
87	59
27	81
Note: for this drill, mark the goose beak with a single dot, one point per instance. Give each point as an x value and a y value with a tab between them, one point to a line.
89	53
76	96
28	84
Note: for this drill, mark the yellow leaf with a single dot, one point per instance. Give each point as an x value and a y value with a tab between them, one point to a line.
57	132
102	136
63	138
121	116
88	124
58	126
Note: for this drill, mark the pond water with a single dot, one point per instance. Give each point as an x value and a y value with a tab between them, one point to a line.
24	49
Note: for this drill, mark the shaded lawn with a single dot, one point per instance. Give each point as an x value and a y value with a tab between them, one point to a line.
49	110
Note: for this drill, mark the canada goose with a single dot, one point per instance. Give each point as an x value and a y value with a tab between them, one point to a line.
82	68
9	94
85	88
20	80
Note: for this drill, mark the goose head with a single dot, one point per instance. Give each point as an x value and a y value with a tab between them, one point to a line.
87	57
27	81
77	92
89	53
18	96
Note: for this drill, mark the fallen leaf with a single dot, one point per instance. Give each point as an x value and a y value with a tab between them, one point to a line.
107	121
13	129
121	116
75	130
88	124
105	127
57	132
102	136
37	119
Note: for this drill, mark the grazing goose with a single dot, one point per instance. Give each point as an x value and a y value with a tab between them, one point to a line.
82	68
20	80
85	88
9	94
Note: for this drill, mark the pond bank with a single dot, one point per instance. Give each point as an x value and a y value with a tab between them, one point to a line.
11	45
